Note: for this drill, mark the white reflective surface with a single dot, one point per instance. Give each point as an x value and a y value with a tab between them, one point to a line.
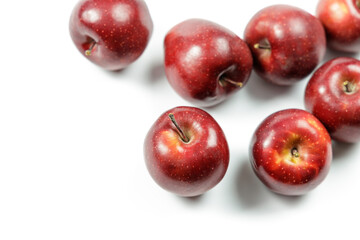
71	140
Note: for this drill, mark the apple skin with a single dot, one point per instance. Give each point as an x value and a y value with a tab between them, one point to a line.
341	20
186	168
333	96
275	144
199	55
119	29
287	43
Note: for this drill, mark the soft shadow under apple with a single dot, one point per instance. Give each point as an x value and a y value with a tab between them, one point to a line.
156	71
192	201
252	194
341	150
261	89
249	190
115	74
331	54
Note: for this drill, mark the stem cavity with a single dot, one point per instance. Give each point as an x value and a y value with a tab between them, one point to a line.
349	87
295	153
183	137
224	79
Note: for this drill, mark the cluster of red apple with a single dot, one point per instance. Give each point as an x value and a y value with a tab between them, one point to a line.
186	151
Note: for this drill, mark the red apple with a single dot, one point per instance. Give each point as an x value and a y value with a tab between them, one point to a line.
186	151
111	33
291	152
341	20
205	62
333	96
287	43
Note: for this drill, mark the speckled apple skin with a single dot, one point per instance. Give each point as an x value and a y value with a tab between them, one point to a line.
120	28
197	53
341	20
270	152
186	169
326	99
297	40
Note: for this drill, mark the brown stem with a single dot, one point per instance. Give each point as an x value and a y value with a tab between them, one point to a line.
228	80
183	137
91	47
261	46
358	4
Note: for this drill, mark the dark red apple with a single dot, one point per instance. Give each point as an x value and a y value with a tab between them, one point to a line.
205	62
333	96
186	151
287	43
291	152
111	33
341	20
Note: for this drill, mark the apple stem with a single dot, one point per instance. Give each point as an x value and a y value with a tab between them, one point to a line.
261	46
183	137
91	47
295	153
358	3
225	79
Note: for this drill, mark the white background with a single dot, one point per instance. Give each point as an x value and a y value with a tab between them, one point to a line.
71	140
